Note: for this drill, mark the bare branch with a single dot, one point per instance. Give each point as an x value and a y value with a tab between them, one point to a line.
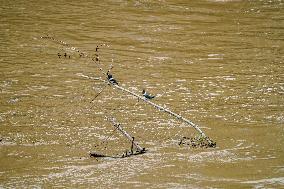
160	108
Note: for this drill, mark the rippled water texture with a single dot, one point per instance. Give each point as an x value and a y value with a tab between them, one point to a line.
217	63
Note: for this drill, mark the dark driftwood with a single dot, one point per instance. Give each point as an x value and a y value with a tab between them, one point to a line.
124	155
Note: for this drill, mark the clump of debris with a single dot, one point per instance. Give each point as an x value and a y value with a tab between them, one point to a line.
196	142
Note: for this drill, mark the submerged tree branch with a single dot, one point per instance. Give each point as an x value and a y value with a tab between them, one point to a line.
132	151
160	108
118	127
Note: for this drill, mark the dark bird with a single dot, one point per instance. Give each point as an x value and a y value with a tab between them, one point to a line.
111	79
146	95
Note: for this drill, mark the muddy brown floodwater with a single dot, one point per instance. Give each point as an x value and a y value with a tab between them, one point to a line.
217	63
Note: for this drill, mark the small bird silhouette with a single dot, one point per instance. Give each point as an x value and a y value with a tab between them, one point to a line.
111	79
146	95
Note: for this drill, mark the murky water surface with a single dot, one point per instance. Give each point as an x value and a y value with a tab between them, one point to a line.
217	63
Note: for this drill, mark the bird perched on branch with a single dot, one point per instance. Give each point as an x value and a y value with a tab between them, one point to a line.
146	95
111	79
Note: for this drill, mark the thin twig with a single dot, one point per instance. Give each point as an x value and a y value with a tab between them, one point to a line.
97	96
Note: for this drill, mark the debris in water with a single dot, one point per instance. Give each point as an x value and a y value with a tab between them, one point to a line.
196	142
